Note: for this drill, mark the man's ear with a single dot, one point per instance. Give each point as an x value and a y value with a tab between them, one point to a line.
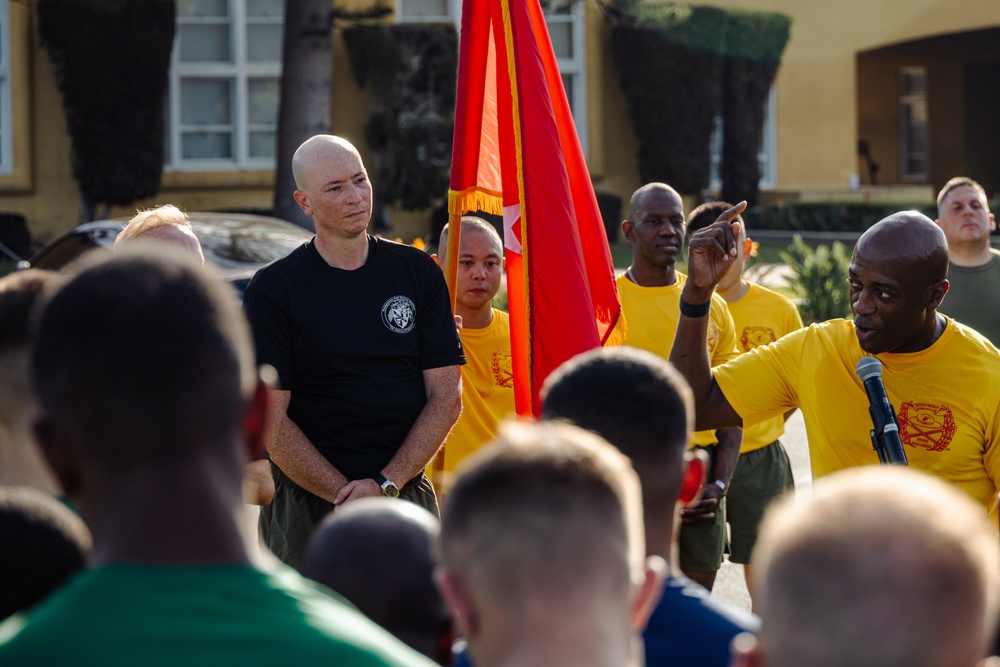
648	595
302	199
437	260
628	231
60	456
938	290
459	601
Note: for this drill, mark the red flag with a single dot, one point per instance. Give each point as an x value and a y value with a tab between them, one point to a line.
516	153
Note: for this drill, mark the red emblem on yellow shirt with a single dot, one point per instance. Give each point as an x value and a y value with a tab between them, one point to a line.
755	337
503	372
926	425
713	337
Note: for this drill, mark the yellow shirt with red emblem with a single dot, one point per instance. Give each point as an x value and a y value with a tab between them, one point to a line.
762	317
487	392
946	399
652	314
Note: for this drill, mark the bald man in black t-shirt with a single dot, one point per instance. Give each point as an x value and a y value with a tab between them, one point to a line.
361	333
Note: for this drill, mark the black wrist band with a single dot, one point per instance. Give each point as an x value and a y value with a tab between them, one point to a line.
695	310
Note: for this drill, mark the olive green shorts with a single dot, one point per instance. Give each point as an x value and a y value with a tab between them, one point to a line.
287	523
760	476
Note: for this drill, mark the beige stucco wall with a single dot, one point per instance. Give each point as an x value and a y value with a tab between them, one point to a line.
816	84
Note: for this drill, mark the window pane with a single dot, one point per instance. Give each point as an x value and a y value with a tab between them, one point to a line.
419	8
204	43
567	80
264	43
562	39
206	101
265	8
197	8
262	144
262	105
206	145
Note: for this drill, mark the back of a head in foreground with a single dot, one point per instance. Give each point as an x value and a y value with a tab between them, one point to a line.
548	514
18	293
636	401
43	544
143	358
376	552
881	566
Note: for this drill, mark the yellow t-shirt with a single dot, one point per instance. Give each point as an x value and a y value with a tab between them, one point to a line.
946	399
487	391
652	314
762	317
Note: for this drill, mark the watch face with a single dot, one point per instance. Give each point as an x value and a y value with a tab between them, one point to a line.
390	490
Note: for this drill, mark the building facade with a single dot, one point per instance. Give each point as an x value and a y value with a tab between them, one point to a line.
877	99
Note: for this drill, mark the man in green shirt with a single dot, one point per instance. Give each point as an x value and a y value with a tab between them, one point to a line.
973	265
150	406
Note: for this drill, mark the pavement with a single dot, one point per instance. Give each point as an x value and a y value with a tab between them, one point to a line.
730	584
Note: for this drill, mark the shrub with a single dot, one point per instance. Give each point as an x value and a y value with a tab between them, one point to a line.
111	61
610	206
669	62
680	66
411	69
820	278
754	44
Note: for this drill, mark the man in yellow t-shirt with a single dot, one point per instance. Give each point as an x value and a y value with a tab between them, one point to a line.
487	383
942	378
650	291
763	471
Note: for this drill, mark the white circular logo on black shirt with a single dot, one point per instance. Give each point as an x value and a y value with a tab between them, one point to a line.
399	314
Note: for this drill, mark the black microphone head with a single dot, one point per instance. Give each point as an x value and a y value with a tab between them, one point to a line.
868	367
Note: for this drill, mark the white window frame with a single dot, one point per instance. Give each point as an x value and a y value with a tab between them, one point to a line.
914	101
6	112
454	14
575	67
239	71
767	156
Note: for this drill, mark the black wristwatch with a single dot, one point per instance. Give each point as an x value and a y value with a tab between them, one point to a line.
388	488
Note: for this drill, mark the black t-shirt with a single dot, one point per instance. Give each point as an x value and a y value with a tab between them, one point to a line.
351	346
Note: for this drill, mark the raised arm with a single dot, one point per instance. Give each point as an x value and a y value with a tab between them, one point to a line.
711	252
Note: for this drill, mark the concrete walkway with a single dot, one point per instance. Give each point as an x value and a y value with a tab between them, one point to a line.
730	585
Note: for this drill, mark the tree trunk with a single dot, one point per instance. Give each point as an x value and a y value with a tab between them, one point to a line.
306	82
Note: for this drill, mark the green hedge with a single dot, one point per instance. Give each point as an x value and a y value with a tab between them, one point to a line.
830	217
111	61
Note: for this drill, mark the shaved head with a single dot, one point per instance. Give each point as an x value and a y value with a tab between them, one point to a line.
910	245
316	149
639	195
376	552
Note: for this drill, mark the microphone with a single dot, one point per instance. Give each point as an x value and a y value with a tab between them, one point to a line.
885	434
